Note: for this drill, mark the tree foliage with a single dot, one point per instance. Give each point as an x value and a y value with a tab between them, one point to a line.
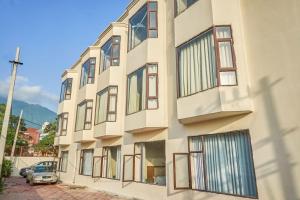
46	145
13	123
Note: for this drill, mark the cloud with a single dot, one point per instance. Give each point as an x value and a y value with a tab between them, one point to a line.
33	94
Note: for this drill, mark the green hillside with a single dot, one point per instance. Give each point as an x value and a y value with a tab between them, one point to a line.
31	112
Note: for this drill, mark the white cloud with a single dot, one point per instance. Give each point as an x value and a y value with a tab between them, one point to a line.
33	94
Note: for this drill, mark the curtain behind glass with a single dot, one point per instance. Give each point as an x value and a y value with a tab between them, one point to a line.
102	112
197	65
64	163
80	117
229	164
118	164
87	163
132	97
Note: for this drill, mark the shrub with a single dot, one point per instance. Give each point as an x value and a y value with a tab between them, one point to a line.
6	168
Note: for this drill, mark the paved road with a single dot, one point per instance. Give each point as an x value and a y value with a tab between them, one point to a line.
17	189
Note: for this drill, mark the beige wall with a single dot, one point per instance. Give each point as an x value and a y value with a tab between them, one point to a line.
266	41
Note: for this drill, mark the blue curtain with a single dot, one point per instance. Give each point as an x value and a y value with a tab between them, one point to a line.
228	164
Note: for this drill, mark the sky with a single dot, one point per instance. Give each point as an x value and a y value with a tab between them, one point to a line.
52	34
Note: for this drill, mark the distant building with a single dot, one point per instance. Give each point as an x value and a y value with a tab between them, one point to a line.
32	136
41	131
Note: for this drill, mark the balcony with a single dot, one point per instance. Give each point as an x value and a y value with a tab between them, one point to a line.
145	120
214	103
108	130
62	140
84	136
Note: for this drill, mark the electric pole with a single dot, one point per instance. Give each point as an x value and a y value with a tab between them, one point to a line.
16	137
15	64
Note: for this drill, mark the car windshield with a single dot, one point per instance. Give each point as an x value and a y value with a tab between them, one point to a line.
39	169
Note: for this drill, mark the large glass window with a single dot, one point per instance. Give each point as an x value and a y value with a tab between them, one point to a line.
142	91
86	162
62	124
66	90
219	163
148	163
84	115
110	53
106	106
206	61
143	24
182	5
88	72
63	161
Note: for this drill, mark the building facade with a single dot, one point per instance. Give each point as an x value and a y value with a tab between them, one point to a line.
187	99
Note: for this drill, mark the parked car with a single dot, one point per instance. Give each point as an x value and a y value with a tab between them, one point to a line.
41	174
23	171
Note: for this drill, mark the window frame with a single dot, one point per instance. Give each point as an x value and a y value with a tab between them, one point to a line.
148	11
95	157
111	39
88	61
60	160
69	83
81	161
217	58
204	165
176	8
60	123
146	66
105	155
85	114
109	95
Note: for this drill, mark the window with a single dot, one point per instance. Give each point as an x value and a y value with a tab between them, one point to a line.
182	5
62	124
110	53
142	91
206	61
66	90
63	161
86	162
147	165
143	24
111	162
220	163
88	72
106	106
84	115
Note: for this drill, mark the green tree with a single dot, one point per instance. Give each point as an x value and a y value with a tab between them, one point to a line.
12	126
46	145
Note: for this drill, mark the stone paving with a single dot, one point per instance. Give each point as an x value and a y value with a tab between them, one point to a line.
17	189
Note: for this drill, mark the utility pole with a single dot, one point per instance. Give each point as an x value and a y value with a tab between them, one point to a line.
15	64
16	137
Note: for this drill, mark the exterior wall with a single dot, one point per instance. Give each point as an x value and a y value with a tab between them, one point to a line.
265	44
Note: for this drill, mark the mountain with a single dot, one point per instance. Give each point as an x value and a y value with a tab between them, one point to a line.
31	113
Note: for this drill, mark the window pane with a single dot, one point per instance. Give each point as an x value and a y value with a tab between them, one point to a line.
80	117
89	104
112	103
223	32
104	166
138	27
152	68
153	34
197	65
152	20
233	172
228	78
183	4
197	171
116	39
136	91
152	6
65	122
105	55
97	167
87	163
88	115
113	90
181	167
195	144
225	54
128	168
152	85
115	51
152	103
102	107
